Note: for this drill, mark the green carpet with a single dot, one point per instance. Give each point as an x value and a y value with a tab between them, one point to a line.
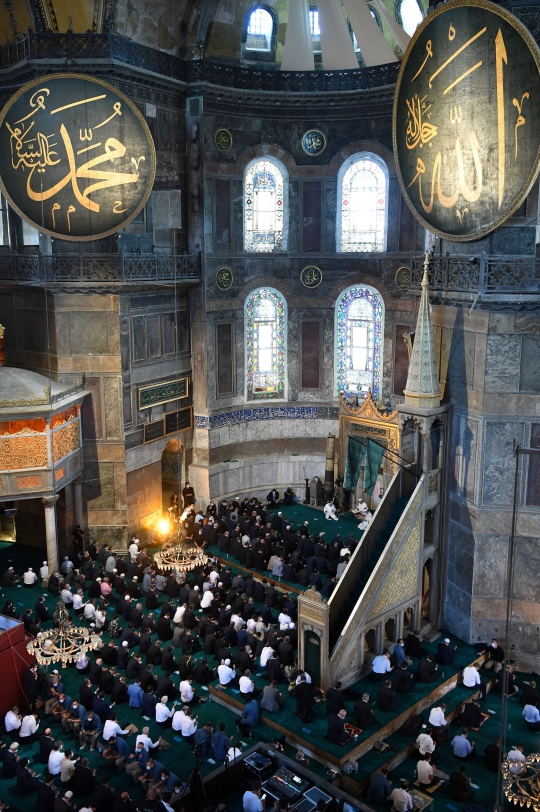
179	758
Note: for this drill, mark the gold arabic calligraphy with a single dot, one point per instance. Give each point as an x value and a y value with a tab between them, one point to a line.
35	150
420	131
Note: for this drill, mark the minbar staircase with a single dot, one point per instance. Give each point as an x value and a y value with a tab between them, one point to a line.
376	552
371	547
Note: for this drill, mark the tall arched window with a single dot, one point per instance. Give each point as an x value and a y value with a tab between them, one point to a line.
362	214
265	324
409	15
359	338
259	30
264	207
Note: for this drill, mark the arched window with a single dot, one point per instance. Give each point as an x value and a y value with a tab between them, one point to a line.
265	324
409	15
264	204
315	29
363	212
359	338
259	30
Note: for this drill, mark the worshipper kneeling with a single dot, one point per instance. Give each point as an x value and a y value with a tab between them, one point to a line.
330	511
249	718
336	733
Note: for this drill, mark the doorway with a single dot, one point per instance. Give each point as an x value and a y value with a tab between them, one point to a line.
426	584
313	657
171	472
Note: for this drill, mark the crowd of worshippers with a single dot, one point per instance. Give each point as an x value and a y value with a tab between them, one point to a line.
436	734
207	627
143	619
261	538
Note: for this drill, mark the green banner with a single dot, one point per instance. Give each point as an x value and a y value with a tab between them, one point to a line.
374	457
162	393
353	464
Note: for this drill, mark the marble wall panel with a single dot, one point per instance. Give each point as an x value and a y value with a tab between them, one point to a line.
88	333
499	461
112	403
530	364
502	363
98	488
461	552
490	563
260	474
527	322
459	623
460	599
527	562
461	359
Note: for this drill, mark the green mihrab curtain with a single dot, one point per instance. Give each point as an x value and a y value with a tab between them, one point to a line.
374	457
356	450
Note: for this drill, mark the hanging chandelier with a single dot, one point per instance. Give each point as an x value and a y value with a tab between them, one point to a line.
179	557
65	643
523	790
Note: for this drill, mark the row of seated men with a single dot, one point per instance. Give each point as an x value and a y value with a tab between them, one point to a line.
261	538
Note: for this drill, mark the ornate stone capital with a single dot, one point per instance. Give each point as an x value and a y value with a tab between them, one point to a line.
49	501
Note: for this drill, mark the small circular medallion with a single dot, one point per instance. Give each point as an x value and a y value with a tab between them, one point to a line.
403	277
314	142
224	278
311	277
223	139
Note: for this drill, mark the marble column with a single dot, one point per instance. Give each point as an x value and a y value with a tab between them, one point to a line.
77	492
49	503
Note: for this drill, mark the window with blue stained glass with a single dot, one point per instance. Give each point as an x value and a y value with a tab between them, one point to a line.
363	210
265	325
359	336
263	207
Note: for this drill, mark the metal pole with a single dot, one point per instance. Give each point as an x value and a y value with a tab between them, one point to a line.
508	630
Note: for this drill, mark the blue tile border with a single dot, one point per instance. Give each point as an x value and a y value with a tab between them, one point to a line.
218	421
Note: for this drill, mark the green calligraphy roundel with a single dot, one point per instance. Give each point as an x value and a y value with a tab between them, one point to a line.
77	160
466	123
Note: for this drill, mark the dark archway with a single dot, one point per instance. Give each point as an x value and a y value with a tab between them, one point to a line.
171	472
312	659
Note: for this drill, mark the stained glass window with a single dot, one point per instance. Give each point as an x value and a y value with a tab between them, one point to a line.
259	31
363	206
265	319
263	207
359	335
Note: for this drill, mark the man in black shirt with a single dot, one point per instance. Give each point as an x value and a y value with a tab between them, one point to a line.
336	732
404	680
188	495
363	714
305	699
152	802
492	753
412	645
427	670
334	699
461	789
387	699
471	715
46	794
529	694
495	659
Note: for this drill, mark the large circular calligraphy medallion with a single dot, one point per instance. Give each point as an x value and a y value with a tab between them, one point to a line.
466	123
77	160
